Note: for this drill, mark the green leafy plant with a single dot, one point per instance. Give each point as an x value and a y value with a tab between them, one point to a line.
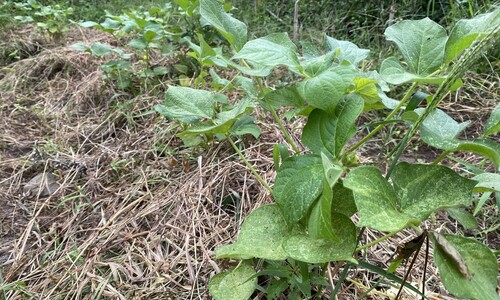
146	32
52	19
309	226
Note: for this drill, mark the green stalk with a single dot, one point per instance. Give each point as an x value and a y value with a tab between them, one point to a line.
441	157
392	114
385	237
247	163
287	135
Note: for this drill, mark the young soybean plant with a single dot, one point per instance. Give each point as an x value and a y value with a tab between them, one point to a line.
317	193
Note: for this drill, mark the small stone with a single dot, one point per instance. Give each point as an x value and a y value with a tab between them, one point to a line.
43	184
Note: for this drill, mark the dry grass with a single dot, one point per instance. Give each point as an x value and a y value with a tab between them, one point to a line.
136	215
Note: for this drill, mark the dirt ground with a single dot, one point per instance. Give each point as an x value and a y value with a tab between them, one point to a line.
134	214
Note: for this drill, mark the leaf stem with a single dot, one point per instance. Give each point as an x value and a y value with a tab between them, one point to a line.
288	137
441	157
379	127
385	237
247	163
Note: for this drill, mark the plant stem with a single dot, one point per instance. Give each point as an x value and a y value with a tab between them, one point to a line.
385	237
394	111
441	157
247	163
288	137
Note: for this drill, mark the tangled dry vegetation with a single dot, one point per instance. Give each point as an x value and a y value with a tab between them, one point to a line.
128	213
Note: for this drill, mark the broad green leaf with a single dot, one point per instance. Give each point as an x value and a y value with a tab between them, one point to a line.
285	96
235	284
261	236
320	218
204	50
465	218
423	189
88	24
271	51
100	49
313	66
332	171
326	90
110	25
487	182
219	82
276	287
486	148
246	125
421	42
80	47
440	130
331	131
150	35
481	264
188	105
247	85
256	70
394	73
348	51
376	200
465	32
304	248
343	200
138	43
492	126
367	89
418	191
319	224
160	70
223	121
233	30
299	181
